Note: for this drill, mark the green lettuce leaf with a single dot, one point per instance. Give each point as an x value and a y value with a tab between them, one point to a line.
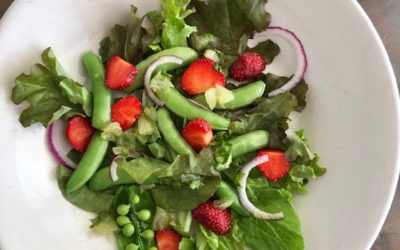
192	179
231	22
84	198
77	94
207	240
270	114
174	29
141	169
125	41
274	82
299	174
104	223
179	197
268	49
264	235
50	93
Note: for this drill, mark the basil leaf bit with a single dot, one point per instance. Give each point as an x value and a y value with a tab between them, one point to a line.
50	93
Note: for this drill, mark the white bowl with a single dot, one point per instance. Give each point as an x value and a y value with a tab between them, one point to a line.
352	121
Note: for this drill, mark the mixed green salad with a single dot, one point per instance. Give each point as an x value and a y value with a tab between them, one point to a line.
182	141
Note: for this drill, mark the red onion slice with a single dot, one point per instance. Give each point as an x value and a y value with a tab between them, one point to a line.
58	144
244	199
291	37
113	170
149	72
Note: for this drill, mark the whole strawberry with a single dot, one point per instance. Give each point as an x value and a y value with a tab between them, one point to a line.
215	219
247	66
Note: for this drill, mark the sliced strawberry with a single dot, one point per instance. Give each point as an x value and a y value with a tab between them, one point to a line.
200	76
168	239
120	73
247	66
126	111
215	219
198	133
276	167
79	132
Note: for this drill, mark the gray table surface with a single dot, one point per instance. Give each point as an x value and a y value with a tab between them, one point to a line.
385	14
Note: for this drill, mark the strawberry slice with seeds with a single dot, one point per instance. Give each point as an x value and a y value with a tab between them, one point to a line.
200	76
198	133
215	219
79	132
276	167
126	111
168	239
120	73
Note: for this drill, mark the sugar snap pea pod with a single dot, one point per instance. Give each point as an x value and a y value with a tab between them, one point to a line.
248	142
101	180
226	192
187	54
102	97
181	106
89	163
242	96
171	134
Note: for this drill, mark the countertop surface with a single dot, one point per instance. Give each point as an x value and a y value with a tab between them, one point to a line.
385	14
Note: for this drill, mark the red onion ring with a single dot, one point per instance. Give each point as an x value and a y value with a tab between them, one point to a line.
149	72
58	144
291	37
244	199
113	170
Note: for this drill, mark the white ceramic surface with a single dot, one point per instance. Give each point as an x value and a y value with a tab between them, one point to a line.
352	121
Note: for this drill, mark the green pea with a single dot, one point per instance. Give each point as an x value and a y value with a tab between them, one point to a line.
171	134
242	96
89	163
123	220
132	246
144	215
123	209
128	230
148	234
249	142
187	54
182	107
153	248
135	199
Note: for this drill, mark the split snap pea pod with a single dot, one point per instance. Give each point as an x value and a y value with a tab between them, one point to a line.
102	97
249	142
182	107
89	163
227	193
187	54
101	179
242	96
171	134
